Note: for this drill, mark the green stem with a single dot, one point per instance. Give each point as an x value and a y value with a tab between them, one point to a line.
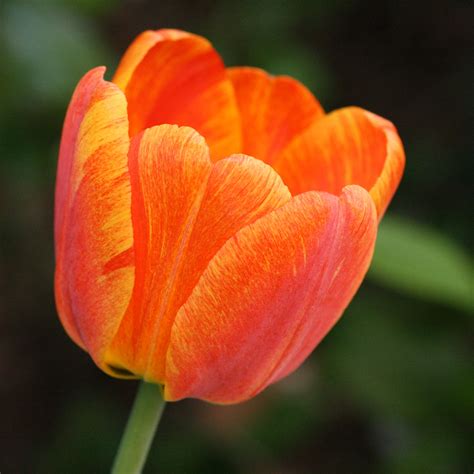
140	430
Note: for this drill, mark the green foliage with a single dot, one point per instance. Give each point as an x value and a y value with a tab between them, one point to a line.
409	373
419	261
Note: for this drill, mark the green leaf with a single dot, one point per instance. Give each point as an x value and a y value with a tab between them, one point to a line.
422	262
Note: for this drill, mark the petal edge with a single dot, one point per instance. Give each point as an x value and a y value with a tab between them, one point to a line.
235	335
273	110
347	146
92	215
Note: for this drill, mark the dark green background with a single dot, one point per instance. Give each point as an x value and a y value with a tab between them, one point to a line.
390	390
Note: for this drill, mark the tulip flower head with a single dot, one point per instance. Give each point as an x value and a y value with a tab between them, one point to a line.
211	224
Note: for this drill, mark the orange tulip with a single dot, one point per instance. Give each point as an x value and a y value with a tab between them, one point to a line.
211	224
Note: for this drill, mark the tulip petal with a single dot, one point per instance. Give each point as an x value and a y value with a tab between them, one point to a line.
273	110
388	180
137	51
180	80
93	227
184	209
348	146
269	296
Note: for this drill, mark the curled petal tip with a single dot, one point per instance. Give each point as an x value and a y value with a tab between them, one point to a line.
347	146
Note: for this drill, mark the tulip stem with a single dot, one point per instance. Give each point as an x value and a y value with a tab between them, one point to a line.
140	430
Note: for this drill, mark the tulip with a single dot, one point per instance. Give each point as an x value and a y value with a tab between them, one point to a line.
211	224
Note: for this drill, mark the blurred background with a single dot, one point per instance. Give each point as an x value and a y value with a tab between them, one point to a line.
390	390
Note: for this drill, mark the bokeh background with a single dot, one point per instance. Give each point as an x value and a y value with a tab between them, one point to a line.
390	390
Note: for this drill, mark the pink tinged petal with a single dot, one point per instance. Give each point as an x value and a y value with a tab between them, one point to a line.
269	296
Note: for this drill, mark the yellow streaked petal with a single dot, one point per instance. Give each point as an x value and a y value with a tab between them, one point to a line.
93	226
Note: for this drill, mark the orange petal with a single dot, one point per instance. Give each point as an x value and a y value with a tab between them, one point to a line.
269	296
184	209
273	110
388	180
172	77
348	146
137	50
93	228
